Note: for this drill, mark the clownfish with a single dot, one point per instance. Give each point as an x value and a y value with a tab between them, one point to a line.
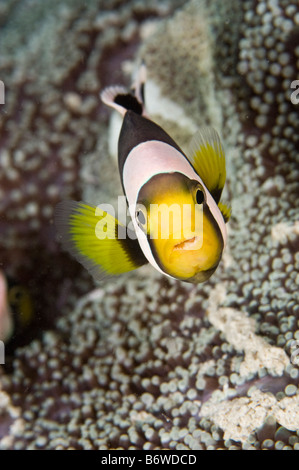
16	308
177	222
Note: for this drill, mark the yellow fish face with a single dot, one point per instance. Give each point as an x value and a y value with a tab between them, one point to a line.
184	237
21	304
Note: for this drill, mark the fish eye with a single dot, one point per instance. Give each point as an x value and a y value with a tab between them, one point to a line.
140	216
199	196
15	294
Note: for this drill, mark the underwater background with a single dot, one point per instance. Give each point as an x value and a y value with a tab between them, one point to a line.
143	361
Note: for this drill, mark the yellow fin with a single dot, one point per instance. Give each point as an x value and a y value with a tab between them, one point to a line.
207	156
90	235
225	211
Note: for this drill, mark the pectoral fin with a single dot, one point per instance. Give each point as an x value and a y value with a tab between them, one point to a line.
225	211
97	240
206	154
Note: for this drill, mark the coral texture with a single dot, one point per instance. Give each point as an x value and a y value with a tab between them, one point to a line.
143	361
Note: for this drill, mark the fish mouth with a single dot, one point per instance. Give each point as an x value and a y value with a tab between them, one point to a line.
194	243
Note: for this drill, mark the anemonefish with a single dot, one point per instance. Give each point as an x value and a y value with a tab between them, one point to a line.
16	308
173	200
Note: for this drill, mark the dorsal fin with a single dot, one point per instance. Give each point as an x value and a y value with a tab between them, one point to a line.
206	154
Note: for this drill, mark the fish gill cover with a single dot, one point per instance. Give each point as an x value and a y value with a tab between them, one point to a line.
146	362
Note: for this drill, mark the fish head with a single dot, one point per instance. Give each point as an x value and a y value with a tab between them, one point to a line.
182	232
